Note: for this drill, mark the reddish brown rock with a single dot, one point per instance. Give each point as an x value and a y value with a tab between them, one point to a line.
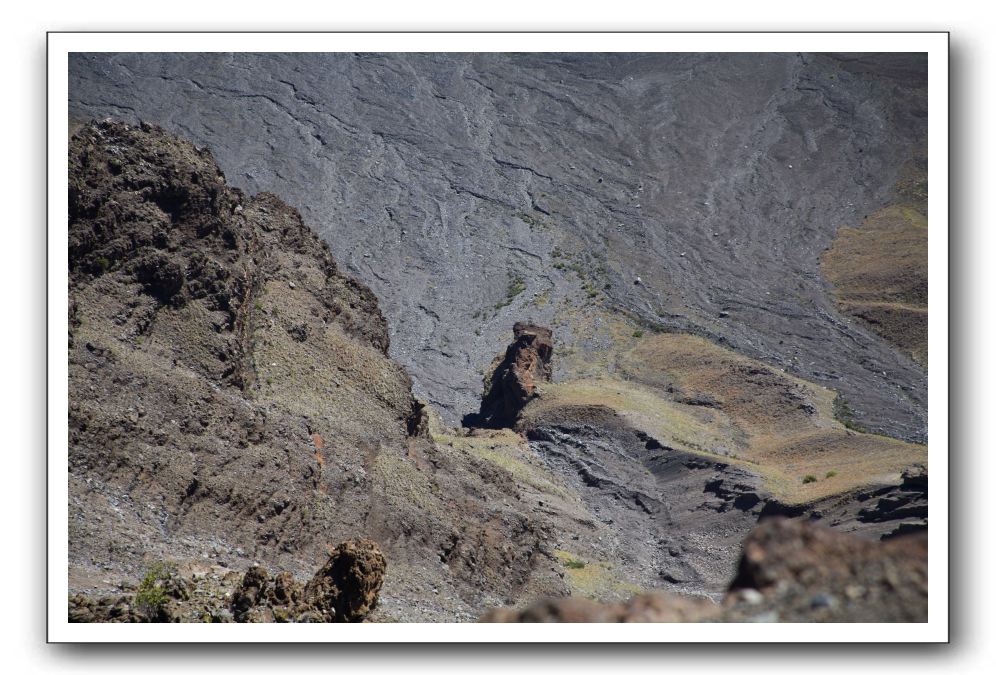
513	382
347	586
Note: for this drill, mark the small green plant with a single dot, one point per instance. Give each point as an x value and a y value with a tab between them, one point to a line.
515	287
258	305
842	413
831	474
638	333
810	478
104	264
527	219
269	380
150	598
574	564
140	339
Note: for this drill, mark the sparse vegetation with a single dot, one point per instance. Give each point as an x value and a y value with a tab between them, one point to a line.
529	219
515	288
810	478
831	474
638	333
842	413
574	564
150	598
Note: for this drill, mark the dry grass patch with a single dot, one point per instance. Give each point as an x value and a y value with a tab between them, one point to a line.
508	450
693	395
879	269
594	579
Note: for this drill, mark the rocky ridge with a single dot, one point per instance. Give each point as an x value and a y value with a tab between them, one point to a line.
233	404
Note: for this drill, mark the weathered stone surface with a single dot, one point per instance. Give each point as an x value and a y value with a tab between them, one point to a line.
647	608
346	587
254	407
513	381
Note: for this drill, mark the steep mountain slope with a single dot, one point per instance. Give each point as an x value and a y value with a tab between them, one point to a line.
690	192
232	403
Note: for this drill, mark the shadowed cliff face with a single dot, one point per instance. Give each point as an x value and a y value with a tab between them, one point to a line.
694	192
525	365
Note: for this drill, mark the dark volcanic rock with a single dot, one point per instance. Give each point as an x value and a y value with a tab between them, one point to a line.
513	381
232	403
347	586
445	181
670	521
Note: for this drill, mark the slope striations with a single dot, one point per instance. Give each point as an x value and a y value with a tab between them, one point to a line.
694	192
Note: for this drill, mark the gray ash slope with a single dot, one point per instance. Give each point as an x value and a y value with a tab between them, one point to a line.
450	182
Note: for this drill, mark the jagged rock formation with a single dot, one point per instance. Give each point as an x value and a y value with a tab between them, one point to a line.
347	586
514	377
695	192
231	400
791	571
345	589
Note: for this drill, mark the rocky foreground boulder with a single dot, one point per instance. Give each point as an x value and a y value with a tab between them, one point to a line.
345	589
790	571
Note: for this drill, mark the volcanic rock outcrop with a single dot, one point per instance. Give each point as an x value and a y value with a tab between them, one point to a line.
232	404
345	589
513	382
